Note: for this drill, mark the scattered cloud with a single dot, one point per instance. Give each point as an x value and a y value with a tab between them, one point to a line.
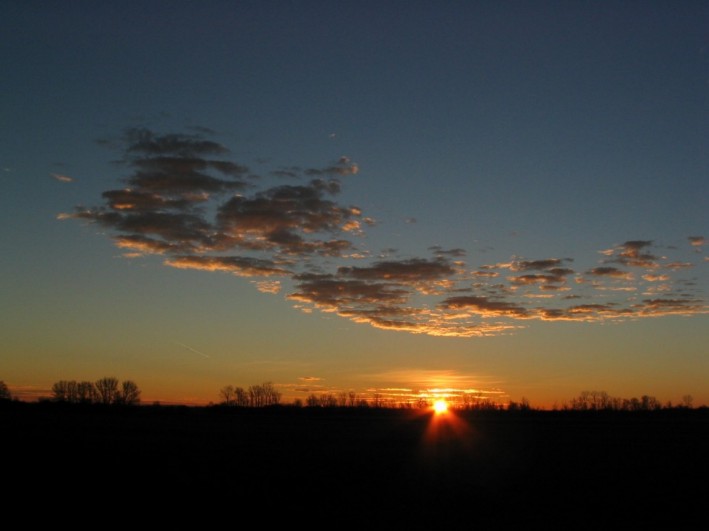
539	265
416	385
612	272
238	265
440	251
632	253
269	286
656	278
185	200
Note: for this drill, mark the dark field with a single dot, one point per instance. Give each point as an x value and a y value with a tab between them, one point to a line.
353	467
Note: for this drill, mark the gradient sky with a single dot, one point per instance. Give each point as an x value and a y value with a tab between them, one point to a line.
509	199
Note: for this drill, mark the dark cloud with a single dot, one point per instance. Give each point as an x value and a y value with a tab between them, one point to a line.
168	175
412	270
538	265
328	291
344	166
607	271
280	218
439	251
632	248
631	254
178	231
145	142
185	200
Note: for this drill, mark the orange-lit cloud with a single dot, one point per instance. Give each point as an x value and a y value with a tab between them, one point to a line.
239	266
185	200
269	286
420	387
612	272
656	278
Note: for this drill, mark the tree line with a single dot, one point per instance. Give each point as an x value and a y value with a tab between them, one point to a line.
108	391
111	391
5	393
266	395
261	395
602	401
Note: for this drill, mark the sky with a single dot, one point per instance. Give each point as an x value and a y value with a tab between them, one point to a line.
480	199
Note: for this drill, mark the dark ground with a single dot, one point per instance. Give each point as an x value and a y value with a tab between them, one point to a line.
353	467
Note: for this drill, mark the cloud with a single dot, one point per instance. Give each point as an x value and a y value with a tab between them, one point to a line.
534	279
269	286
145	142
344	166
309	379
185	200
661	307
413	270
583	312
415	384
486	274
679	265
697	241
439	251
282	218
237	265
631	254
330	291
612	272
656	278
485	307
63	178
539	265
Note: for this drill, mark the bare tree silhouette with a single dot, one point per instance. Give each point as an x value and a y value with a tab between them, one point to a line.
107	390
227	395
687	401
261	395
5	391
61	391
129	394
86	392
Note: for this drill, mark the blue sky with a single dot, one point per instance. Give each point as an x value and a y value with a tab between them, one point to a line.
528	180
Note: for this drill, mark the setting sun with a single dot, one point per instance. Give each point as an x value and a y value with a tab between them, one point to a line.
440	406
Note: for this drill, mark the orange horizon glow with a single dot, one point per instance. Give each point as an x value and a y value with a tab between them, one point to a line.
440	407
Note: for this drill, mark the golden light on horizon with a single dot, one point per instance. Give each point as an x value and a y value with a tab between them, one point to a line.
440	407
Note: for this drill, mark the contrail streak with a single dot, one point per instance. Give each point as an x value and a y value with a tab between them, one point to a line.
192	349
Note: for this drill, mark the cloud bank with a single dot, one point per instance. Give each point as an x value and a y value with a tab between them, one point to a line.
185	200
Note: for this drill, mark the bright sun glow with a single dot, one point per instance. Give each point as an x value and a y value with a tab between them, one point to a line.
440	406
